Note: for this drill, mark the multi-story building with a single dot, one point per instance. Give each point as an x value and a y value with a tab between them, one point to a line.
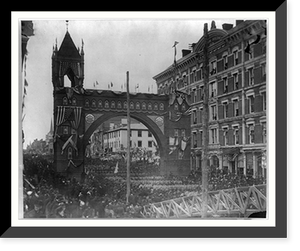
115	139
237	96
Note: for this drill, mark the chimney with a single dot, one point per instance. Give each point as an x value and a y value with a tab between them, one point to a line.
237	22
213	25
185	52
227	27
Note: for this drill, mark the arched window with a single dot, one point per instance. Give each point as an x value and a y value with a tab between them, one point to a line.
100	103
125	105
65	101
87	103
155	106
106	104
93	103
137	105
74	102
144	106
119	105
113	104
131	105
149	106
161	106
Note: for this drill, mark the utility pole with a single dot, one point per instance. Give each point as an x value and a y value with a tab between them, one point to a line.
205	167
128	140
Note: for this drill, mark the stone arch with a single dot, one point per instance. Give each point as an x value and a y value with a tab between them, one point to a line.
160	138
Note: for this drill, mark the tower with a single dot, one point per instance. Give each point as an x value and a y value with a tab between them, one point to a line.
67	64
68	92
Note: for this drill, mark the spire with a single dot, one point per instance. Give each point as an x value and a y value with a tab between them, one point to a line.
82	44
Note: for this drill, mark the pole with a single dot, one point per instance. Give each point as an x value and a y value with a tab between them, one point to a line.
205	126
128	140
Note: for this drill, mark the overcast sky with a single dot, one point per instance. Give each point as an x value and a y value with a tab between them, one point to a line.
112	47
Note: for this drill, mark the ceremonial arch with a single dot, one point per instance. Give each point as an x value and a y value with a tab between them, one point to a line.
78	112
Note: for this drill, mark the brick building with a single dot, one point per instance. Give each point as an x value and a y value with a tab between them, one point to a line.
237	96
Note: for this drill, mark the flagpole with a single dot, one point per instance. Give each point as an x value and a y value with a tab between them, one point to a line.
128	140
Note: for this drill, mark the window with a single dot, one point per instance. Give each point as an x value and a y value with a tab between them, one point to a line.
264	133
251	103
225	135
149	106
236	135
235	57
65	101
235	81
155	106
93	103
74	101
225	60
119	105
213	67
194	117
264	101
201	138
106	104
183	133
137	105
236	107
144	106
131	105
251	134
139	133
194	139
213	89
176	107
149	143
192	77
139	143
225	90
213	136
213	112
225	111
149	134
251	76
161	106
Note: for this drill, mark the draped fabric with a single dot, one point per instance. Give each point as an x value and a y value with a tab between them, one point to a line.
74	66
59	119
75	121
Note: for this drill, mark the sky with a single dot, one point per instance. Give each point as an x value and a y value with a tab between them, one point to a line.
112	47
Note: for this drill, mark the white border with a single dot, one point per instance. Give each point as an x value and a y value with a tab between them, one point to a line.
270	16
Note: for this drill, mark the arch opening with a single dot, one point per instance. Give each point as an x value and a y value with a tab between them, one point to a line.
106	139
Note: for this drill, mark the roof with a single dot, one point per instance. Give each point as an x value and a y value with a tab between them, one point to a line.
68	48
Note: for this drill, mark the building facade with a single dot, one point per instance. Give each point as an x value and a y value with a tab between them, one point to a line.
115	139
237	96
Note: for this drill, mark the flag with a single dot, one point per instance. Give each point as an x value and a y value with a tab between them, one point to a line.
175	52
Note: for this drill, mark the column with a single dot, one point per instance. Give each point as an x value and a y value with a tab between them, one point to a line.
245	163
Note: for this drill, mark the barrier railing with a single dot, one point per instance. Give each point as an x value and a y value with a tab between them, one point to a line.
240	202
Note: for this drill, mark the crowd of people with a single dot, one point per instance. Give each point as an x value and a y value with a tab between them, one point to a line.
48	194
